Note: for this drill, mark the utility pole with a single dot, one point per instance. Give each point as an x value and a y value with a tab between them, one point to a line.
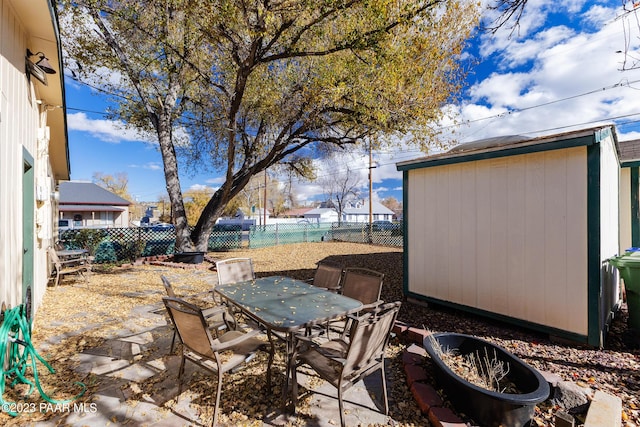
371	166
265	198
370	188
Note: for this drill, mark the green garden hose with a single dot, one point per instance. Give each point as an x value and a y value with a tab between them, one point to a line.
17	354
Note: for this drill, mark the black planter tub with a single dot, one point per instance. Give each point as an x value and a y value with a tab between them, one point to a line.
485	407
189	257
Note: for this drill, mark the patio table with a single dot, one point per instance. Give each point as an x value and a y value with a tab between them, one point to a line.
285	305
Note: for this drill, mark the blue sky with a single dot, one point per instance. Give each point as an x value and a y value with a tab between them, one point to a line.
571	64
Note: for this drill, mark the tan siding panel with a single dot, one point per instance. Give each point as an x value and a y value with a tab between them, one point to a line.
516	244
534	268
555	254
576	265
455	238
483	233
467	261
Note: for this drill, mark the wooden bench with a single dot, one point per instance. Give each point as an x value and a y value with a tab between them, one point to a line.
79	266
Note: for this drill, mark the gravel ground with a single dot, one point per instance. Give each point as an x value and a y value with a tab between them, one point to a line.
614	369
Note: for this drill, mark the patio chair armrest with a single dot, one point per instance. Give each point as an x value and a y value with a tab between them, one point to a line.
373	305
330	355
302	337
231	343
213	311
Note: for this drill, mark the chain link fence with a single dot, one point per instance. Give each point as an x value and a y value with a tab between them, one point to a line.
385	234
127	244
261	236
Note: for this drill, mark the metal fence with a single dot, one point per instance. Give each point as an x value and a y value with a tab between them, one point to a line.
261	236
127	244
124	244
386	234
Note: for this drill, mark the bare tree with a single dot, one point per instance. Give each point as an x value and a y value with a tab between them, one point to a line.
510	14
340	187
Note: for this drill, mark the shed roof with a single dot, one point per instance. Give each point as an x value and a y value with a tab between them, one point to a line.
511	145
88	193
629	151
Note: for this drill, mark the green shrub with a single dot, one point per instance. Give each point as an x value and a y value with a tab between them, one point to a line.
106	253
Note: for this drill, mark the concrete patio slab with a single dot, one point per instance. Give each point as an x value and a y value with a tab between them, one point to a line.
118	364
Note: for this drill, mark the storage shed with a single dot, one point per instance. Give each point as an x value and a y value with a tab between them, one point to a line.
518	229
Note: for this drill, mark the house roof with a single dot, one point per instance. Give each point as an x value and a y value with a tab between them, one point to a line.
102	208
320	211
510	145
376	207
41	21
87	194
296	212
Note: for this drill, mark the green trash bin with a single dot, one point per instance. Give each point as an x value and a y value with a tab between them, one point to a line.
629	267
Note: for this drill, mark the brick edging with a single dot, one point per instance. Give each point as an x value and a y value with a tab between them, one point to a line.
427	398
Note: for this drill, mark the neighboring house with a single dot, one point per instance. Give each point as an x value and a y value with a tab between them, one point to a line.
34	153
359	212
321	215
88	205
295	213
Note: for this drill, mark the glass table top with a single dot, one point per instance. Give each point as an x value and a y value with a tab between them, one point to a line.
286	304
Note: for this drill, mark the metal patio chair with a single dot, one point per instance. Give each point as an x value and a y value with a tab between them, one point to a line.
344	361
234	270
214	315
362	284
327	276
200	348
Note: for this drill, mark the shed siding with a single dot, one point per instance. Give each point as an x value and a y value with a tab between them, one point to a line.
609	199
610	229
625	209
505	235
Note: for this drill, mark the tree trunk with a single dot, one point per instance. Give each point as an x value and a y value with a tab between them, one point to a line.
183	239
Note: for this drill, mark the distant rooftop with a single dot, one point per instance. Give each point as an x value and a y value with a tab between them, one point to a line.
88	193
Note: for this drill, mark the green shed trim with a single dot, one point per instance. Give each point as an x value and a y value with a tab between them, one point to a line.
528	147
593	244
571	336
635	206
405	232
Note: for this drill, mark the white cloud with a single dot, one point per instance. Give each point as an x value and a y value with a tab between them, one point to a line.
105	130
219	180
200	187
556	77
154	166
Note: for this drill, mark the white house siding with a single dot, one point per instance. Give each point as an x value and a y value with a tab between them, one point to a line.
609	197
610	229
21	127
625	209
505	235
